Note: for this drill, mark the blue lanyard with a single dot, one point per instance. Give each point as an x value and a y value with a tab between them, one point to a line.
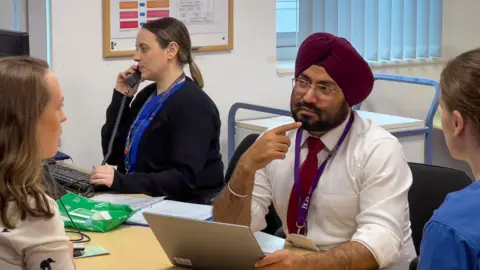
304	205
149	110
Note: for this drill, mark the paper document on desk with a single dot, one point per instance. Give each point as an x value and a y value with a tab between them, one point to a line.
157	205
180	209
269	243
134	202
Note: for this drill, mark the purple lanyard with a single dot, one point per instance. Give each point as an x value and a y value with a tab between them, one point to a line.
305	205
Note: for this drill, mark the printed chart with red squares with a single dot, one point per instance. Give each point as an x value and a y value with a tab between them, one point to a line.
134	14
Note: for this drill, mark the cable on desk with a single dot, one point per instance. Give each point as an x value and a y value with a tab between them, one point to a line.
83	237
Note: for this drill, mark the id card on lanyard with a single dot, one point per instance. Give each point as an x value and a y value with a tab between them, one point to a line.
138	127
304	204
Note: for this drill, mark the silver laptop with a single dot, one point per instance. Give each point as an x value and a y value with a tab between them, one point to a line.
199	244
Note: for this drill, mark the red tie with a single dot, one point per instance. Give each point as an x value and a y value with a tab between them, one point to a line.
307	174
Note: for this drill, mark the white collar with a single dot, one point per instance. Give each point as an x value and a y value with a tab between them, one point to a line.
329	139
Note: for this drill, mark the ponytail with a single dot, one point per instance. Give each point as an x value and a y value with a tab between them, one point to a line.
196	74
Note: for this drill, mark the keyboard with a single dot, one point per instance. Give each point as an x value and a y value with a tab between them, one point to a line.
72	179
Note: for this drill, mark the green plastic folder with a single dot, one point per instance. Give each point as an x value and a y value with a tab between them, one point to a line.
89	215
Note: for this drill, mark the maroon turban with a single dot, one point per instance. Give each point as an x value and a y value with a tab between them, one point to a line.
341	61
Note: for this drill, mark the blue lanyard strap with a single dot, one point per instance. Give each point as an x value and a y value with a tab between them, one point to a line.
304	205
143	119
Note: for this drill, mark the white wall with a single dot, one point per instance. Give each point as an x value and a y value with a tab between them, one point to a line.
9	20
27	16
7	15
247	74
37	28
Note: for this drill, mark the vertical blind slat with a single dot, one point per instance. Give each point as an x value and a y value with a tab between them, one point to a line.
380	30
371	30
397	29
357	25
344	16
384	29
409	29
331	16
305	26
435	34
319	23
423	23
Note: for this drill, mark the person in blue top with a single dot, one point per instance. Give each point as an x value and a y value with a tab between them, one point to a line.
451	238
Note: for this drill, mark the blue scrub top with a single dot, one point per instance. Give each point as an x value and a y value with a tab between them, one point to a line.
451	239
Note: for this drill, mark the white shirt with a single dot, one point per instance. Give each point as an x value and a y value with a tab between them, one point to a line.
362	195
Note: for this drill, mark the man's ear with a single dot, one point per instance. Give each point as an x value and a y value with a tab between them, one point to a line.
459	123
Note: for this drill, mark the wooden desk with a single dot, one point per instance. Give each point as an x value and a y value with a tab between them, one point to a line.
131	247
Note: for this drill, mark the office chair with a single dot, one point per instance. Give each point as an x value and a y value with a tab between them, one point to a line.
237	154
242	147
431	185
272	219
59	156
413	264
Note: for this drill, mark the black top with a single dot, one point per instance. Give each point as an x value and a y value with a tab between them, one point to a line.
179	153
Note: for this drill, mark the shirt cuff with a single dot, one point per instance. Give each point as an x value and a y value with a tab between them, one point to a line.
383	244
117	181
117	97
258	221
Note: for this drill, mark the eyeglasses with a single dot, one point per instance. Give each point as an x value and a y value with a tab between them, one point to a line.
301	87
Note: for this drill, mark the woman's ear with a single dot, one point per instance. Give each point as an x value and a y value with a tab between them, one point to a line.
459	123
172	50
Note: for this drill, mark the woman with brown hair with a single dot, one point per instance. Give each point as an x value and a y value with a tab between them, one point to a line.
32	235
167	142
451	239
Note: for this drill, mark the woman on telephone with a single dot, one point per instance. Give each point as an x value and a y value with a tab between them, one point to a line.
167	140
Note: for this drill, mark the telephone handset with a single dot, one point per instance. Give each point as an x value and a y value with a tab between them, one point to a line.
131	80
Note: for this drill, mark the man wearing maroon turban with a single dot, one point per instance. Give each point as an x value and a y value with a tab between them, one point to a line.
339	183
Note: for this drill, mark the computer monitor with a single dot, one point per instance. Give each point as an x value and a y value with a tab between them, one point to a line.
14	43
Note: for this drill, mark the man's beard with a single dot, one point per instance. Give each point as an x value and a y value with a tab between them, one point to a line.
326	121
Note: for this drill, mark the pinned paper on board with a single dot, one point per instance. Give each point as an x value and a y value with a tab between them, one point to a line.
129	16
209	22
193	12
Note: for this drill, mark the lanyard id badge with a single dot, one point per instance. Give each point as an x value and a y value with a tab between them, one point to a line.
138	127
304	205
301	241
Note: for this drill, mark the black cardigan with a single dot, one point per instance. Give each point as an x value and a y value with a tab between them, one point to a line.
179	153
